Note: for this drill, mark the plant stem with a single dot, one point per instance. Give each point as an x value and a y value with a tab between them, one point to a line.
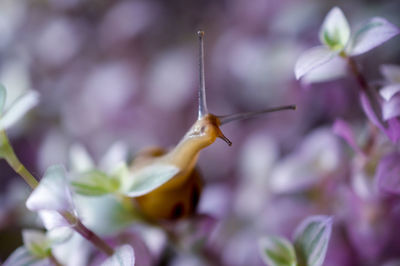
87	233
8	153
369	92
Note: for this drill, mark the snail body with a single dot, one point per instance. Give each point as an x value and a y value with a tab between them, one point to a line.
178	198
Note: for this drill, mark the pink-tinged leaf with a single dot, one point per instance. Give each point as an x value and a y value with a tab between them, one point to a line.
391	73
393	125
393	130
344	130
368	110
335	31
389	91
388	173
311	239
372	34
391	108
312	59
52	193
318	156
123	256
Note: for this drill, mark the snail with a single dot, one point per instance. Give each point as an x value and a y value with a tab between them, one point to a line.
179	197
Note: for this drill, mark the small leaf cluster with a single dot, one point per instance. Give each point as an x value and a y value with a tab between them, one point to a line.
337	40
309	246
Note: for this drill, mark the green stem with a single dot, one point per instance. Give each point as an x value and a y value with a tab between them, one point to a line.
8	153
15	163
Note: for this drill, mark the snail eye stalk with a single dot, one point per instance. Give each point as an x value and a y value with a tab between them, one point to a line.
224	119
202	89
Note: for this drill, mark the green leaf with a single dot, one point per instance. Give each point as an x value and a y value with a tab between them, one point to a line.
277	251
311	240
37	243
95	183
335	31
147	179
3	96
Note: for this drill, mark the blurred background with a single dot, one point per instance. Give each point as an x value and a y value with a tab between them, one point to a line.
127	71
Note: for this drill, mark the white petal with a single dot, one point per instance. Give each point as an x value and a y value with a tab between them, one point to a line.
19	108
123	256
389	91
391	73
372	34
75	251
52	220
391	108
52	193
21	256
60	235
334	69
3	96
80	159
335	31
311	59
116	154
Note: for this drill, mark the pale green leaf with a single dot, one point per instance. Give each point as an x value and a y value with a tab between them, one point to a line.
311	240
37	243
335	30
145	180
95	183
277	251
